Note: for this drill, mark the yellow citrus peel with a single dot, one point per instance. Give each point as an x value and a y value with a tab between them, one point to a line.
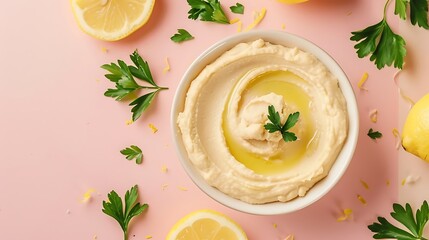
364	184
167	66
373	115
111	20
362	81
361	199
260	16
153	128
206	224
347	213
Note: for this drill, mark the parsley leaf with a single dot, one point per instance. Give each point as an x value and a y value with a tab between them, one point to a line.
133	152
401	8
238	8
124	75
208	10
419	13
276	125
382	43
181	36
386	47
374	135
114	208
383	229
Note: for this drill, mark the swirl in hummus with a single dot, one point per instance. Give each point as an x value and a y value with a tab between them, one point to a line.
222	123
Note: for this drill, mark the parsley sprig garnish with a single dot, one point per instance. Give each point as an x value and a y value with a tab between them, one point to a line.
124	75
114	208
133	152
208	10
276	124
384	229
374	134
385	46
181	36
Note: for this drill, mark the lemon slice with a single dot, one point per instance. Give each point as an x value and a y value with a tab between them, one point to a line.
111	20
206	224
292	1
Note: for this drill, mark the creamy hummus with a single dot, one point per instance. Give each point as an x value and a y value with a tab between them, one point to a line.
222	123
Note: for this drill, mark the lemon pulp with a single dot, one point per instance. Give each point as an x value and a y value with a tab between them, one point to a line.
206	224
280	83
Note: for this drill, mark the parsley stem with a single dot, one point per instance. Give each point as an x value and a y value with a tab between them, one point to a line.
385	9
154	87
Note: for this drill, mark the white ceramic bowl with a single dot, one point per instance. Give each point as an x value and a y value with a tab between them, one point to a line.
341	163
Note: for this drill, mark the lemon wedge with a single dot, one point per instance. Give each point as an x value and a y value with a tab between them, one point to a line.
415	133
206	224
292	1
111	20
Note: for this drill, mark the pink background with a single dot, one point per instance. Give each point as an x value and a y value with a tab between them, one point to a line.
59	136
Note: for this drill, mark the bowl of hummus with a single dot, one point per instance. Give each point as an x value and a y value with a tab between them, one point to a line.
265	122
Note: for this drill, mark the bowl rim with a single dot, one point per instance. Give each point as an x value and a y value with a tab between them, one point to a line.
340	165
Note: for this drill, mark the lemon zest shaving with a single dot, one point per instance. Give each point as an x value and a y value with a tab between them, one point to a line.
87	195
260	16
283	26
235	20
167	66
148	237
362	81
388	182
403	95
403	182
129	122
290	237
239	26
153	128
364	184
411	179
361	199
164	168
347	213
182	188
373	115
275	225
395	133
105	50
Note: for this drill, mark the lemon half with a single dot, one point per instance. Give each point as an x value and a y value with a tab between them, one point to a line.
206	224
415	134
111	20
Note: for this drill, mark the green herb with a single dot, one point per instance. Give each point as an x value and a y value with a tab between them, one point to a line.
181	36
374	135
379	41
383	45
238	8
209	10
384	229
124	75
418	11
114	208
276	125
133	152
